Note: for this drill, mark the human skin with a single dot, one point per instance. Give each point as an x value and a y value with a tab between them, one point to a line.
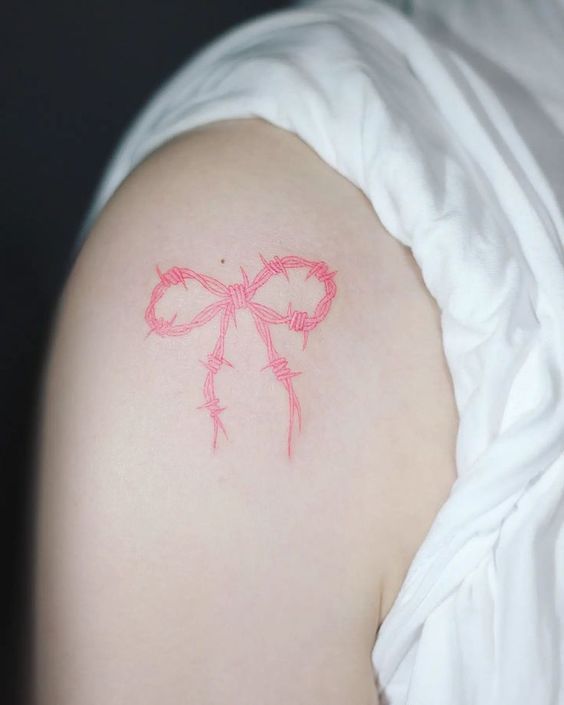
171	571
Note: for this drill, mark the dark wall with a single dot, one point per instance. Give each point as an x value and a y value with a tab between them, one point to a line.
74	75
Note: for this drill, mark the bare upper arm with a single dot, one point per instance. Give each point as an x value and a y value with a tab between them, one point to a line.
170	570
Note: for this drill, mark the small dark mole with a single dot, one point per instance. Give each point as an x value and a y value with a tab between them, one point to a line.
222	261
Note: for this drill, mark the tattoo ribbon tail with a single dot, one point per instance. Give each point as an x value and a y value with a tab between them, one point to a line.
294	405
216	425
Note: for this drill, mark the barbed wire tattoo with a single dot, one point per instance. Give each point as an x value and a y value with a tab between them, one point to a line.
240	296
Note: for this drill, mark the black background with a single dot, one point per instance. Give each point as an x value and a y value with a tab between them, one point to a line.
74	75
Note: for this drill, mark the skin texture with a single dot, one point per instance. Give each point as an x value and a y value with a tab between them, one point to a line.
170	572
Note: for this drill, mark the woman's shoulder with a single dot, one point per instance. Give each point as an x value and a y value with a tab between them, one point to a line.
247	429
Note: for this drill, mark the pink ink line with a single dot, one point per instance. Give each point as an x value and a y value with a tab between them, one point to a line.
240	296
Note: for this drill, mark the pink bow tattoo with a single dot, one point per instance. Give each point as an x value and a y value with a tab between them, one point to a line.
240	296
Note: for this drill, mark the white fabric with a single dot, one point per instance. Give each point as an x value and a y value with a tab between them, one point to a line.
449	116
